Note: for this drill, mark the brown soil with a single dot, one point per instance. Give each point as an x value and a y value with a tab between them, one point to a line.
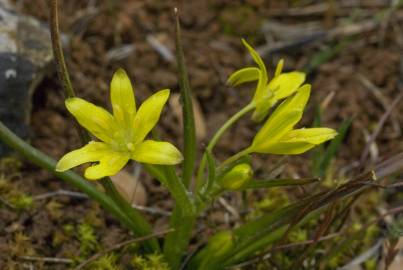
213	51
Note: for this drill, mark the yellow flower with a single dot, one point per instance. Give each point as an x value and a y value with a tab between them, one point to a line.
267	92
277	135
122	133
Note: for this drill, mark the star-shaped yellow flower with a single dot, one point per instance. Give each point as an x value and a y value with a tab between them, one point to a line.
277	135
121	134
267	92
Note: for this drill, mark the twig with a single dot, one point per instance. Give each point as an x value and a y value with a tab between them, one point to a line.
379	127
119	246
7	203
160	48
47	259
229	208
152	210
377	93
61	192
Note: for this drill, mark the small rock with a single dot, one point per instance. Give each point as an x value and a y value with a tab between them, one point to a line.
25	52
130	188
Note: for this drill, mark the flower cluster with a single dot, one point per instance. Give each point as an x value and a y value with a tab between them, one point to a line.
267	92
277	135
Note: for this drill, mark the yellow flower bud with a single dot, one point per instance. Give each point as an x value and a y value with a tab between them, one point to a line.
220	243
237	177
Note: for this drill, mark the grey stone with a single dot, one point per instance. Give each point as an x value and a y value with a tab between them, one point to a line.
25	54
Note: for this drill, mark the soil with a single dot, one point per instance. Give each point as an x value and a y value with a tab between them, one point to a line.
211	32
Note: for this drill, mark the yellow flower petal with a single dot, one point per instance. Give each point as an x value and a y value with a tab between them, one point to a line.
256	57
148	114
279	67
122	98
154	152
282	120
286	84
260	90
273	130
301	140
244	75
310	135
95	119
110	163
88	153
292	148
296	102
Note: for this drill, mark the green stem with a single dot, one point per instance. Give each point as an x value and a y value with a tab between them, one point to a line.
139	225
234	158
61	67
216	138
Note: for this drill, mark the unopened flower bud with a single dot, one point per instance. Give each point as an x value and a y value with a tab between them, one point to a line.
220	243
237	177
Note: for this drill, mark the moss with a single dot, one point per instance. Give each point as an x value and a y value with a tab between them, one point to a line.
22	201
88	240
149	262
106	262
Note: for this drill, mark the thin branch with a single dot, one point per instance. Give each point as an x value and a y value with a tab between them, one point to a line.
379	127
47	259
119	246
61	192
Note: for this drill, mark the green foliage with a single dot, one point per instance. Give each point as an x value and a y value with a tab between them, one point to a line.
149	262
87	238
22	201
106	262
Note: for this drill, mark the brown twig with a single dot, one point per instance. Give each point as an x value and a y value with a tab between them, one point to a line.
47	259
379	127
119	246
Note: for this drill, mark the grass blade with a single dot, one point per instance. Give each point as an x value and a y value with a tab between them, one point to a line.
333	147
189	131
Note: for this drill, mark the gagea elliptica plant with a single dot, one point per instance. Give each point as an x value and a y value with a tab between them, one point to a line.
112	139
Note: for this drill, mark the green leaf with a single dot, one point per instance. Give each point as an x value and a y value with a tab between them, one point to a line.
334	145
255	184
189	130
322	162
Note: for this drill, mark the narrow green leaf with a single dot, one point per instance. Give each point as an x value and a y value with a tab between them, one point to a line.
182	220
334	146
189	130
251	236
254	184
176	242
211	164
